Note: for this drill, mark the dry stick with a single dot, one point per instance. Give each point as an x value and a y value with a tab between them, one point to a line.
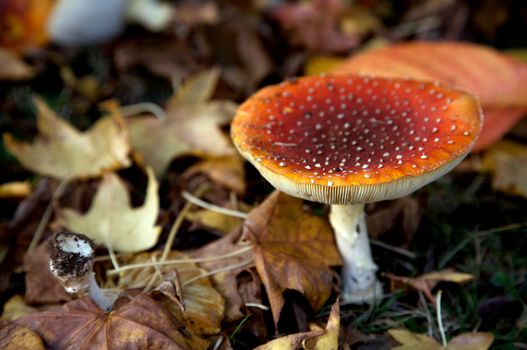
47	214
143	107
223	269
206	205
440	318
179	221
427	313
242	250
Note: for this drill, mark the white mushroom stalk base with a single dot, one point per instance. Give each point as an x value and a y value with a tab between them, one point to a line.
359	283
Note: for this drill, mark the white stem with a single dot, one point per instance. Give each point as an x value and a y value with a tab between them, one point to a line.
359	283
153	15
97	294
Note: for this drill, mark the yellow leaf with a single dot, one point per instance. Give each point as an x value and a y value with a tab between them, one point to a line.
314	340
112	222
204	305
221	222
465	341
62	151
447	275
15	189
322	64
191	127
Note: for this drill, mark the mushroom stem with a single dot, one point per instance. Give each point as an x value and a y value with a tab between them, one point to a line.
97	295
359	283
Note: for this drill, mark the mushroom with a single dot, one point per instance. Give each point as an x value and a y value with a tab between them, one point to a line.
351	140
71	261
86	22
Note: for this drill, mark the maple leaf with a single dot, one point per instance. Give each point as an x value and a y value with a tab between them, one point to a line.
292	249
141	323
318	339
111	220
477	68
62	151
14	336
425	283
466	341
191	126
203	304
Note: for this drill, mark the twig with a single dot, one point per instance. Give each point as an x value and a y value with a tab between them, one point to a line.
179	261
206	205
143	107
259	306
393	248
440	318
47	215
427	313
223	269
177	223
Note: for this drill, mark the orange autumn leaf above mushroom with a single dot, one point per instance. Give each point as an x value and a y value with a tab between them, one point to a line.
499	81
320	138
23	22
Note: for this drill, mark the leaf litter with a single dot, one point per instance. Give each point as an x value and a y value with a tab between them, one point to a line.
220	273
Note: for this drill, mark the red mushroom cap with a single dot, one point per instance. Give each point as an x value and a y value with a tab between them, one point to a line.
355	139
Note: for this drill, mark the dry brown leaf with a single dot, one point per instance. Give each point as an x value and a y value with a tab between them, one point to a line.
466	341
42	287
226	281
191	126
318	339
62	151
23	24
13	68
314	25
15	337
507	161
225	171
214	220
140	324
204	305
292	250
477	68
112	221
425	283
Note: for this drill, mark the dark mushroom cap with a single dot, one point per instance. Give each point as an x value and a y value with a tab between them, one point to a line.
355	139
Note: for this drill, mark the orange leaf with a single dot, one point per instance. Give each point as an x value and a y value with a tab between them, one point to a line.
500	81
292	250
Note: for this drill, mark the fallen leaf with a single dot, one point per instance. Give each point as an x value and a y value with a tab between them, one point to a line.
214	220
42	287
466	341
507	161
16	307
425	283
314	25
15	189
191	126
62	151
225	171
318	339
14	336
140	323
204	306
322	64
292	249
23	24
225	281
477	68
112	222
13	68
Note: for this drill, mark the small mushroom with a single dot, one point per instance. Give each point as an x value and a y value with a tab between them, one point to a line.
351	140
71	261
